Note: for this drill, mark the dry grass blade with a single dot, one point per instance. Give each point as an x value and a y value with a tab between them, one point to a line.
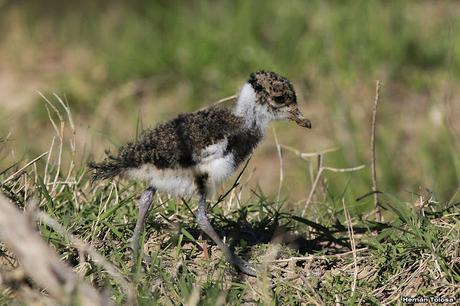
229	98
59	132
33	161
339	170
378	212
315	183
56	129
305	155
194	296
353	246
72	128
235	184
40	262
221	101
321	169
85	248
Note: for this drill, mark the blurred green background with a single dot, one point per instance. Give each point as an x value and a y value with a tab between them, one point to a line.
122	64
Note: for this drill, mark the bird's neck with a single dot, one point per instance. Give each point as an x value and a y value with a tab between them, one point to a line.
255	115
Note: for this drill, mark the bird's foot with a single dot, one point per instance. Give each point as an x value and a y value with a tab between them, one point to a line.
139	256
243	266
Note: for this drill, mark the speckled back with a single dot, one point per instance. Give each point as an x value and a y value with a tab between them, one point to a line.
174	143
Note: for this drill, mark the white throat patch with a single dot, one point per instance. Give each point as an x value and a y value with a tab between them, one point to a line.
254	113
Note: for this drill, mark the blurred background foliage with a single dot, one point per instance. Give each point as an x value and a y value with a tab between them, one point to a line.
121	64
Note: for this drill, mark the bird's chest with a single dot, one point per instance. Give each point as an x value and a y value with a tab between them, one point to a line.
220	160
216	162
241	144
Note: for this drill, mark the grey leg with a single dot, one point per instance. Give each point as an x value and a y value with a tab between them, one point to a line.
144	205
206	227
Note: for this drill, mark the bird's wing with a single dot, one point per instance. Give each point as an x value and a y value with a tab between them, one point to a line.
183	141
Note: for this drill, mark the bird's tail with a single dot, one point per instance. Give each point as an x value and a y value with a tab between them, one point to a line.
106	169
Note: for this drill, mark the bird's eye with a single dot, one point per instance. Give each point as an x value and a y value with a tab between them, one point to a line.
279	99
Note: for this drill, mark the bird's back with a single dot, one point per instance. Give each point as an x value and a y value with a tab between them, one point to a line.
175	144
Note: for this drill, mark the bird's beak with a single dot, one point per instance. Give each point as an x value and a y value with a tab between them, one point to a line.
297	116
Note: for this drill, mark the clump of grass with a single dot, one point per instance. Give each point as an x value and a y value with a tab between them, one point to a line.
328	254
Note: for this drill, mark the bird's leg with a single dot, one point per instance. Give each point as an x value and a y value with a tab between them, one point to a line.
144	205
206	227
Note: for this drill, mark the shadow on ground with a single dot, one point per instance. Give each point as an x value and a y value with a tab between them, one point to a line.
301	234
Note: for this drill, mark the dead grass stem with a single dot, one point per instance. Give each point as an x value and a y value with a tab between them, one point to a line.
378	212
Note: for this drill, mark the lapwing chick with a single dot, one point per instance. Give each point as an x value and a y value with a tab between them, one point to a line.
195	152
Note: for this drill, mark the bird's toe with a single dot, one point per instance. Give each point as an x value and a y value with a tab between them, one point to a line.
244	266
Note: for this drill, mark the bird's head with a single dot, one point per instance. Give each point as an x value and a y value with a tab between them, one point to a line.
275	95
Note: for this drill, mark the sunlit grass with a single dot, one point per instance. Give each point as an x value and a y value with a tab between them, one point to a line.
333	251
122	67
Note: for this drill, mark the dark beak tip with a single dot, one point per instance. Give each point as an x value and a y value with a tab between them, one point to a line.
306	124
298	118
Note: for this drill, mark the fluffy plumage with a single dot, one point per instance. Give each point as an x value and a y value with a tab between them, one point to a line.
179	143
197	151
213	141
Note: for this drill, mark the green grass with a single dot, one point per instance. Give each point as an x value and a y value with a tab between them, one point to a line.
416	249
303	258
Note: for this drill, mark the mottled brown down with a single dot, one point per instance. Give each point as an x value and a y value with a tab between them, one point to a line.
172	144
